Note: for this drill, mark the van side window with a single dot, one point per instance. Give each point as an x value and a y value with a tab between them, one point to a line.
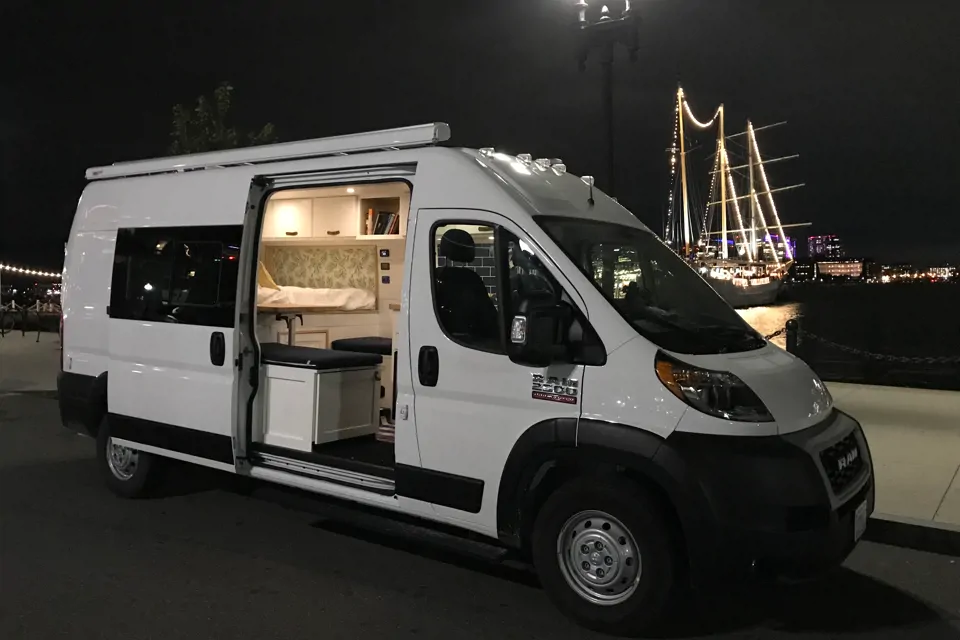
465	285
185	275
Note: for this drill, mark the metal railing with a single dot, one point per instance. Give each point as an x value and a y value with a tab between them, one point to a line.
11	313
864	365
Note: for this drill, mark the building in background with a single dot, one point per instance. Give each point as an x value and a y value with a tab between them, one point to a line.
943	272
849	269
803	271
824	247
774	242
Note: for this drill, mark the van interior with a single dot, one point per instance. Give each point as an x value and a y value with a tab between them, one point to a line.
330	272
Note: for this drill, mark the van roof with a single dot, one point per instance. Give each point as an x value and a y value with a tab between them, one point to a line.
386	139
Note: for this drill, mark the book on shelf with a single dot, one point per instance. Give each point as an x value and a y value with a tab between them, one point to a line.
384	223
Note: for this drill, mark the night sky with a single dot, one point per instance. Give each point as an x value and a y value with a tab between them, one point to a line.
870	90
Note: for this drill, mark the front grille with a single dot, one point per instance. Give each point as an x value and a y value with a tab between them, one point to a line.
842	462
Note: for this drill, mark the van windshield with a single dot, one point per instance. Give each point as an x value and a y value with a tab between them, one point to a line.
664	299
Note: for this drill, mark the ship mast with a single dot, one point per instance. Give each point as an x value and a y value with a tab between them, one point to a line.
687	231
721	149
753	200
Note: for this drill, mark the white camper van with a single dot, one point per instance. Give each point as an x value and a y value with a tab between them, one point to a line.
467	337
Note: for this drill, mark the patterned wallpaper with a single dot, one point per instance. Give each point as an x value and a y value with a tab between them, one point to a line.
323	267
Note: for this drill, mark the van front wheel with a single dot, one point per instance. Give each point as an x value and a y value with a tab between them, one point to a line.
127	472
604	556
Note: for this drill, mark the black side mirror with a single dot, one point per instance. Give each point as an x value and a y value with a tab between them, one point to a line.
539	334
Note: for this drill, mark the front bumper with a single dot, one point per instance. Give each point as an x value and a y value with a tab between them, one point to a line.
780	506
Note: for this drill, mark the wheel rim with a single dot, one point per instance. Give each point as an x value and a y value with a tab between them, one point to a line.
121	460
599	558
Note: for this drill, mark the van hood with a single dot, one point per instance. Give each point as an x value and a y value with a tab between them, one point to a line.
791	391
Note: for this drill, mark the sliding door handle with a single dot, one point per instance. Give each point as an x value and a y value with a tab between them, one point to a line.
428	366
218	349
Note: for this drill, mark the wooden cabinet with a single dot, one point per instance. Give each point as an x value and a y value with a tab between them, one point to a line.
289	219
303	407
335	217
315	338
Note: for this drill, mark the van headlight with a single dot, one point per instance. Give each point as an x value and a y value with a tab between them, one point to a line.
716	393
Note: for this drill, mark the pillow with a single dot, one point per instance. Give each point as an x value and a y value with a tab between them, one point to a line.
264	279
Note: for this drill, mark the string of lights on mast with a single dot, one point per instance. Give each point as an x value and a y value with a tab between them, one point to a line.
684	113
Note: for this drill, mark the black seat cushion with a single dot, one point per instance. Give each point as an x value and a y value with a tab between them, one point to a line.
464	307
370	344
319	359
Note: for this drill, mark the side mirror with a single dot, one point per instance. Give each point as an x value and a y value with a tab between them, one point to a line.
539	335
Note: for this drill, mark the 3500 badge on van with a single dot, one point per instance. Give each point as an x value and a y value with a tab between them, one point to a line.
565	390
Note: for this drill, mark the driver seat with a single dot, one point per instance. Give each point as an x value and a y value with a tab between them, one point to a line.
463	305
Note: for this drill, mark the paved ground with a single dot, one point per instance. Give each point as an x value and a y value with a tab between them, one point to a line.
28	365
914	436
207	562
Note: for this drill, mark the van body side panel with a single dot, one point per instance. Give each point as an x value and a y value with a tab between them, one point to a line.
161	382
86	294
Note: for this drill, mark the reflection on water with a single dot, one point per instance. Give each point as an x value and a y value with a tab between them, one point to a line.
768	320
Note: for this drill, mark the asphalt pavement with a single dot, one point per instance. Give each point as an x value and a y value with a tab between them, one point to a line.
209	561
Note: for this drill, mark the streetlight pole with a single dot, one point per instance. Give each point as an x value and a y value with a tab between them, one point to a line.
603	35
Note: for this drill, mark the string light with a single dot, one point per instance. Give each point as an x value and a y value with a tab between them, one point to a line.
693	118
766	187
673	172
713	184
9	268
736	203
766	229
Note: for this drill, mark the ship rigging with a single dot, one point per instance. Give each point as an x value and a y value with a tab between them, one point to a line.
742	251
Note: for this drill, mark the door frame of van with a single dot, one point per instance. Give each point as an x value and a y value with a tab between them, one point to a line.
262	186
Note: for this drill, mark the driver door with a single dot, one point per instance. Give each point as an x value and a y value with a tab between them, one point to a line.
471	402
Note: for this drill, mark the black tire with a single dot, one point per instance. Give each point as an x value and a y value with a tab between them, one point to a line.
660	566
144	479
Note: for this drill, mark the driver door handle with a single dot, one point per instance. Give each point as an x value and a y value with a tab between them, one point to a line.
218	349
428	366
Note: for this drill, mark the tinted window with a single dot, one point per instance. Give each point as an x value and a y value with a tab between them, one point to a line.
652	287
185	275
466	284
482	275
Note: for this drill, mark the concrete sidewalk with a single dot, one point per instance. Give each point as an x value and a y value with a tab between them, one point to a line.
914	434
28	365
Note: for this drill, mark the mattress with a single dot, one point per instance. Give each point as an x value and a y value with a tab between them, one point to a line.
333	299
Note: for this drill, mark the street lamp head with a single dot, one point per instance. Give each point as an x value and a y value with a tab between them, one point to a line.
582	7
610	11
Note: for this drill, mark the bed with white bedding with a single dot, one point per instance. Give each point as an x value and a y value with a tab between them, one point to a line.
306	300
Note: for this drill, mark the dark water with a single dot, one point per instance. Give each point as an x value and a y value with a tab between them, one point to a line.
915	321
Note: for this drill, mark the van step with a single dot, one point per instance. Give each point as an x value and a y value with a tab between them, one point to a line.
392	530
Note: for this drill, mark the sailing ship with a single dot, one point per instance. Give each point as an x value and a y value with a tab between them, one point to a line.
738	245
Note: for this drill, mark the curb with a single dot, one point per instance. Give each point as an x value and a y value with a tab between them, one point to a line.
921	535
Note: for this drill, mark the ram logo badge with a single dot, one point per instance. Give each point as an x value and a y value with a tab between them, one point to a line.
552	389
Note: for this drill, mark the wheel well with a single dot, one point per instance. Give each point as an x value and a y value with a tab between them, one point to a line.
566	466
98	404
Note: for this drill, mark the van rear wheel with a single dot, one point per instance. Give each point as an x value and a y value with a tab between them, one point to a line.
127	472
604	556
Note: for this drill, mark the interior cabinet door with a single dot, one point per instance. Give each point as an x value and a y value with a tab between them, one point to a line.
335	217
289	219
